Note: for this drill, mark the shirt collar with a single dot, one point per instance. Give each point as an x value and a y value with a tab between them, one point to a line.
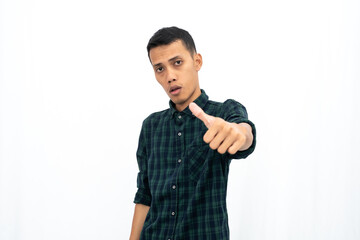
200	101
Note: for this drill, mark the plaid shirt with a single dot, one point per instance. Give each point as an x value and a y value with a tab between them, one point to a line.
181	178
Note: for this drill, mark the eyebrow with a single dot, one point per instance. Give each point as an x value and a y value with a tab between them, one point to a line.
170	60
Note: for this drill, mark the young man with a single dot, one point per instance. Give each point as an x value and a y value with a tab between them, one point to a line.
185	151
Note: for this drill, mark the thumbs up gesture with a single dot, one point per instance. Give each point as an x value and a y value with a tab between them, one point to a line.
221	135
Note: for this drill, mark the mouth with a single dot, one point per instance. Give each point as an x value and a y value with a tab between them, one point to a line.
175	90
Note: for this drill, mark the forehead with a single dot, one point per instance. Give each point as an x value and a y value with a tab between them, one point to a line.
163	53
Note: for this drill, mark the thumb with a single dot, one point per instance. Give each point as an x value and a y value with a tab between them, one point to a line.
200	114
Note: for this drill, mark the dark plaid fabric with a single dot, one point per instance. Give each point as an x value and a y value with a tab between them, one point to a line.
181	178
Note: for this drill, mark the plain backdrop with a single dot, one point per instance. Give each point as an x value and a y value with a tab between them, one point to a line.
76	84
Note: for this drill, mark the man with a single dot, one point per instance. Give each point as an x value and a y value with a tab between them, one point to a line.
185	151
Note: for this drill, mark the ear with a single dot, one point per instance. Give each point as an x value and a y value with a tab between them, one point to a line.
198	61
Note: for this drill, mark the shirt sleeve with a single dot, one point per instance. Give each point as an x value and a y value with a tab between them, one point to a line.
235	112
143	194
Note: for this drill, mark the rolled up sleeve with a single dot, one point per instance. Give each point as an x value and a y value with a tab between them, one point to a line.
143	194
235	112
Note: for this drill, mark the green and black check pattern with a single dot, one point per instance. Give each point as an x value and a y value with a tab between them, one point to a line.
181	178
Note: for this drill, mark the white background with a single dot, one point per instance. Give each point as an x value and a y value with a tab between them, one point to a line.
76	84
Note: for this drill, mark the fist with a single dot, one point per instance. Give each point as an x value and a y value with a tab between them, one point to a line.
221	135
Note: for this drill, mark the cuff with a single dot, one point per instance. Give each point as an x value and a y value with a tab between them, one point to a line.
142	197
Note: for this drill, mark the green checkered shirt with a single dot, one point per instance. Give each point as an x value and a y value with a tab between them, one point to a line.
181	178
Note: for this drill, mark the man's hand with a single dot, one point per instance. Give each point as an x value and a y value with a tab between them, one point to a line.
222	135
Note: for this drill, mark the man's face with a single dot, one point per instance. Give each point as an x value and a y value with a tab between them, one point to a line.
177	72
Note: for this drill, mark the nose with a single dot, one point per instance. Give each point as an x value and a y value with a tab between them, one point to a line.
171	77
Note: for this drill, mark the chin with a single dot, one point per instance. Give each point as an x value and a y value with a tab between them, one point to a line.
177	101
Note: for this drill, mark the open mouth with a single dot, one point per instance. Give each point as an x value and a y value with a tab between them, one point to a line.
175	89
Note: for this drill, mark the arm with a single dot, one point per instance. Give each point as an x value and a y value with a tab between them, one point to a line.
224	136
143	194
229	137
138	220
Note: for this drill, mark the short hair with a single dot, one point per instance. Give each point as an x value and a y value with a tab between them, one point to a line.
168	35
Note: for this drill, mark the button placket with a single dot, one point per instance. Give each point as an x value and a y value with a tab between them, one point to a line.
173	187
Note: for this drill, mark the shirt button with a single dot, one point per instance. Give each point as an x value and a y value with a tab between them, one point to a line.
179	134
173	187
173	213
179	117
179	161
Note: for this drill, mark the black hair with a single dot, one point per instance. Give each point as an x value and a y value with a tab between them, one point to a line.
168	35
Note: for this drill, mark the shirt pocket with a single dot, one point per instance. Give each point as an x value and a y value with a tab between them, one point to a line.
197	160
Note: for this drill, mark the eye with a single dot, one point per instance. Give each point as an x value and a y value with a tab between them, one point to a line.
178	62
159	69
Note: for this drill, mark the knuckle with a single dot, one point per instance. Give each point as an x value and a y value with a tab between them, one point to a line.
231	151
241	138
221	151
234	148
227	128
213	146
218	122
